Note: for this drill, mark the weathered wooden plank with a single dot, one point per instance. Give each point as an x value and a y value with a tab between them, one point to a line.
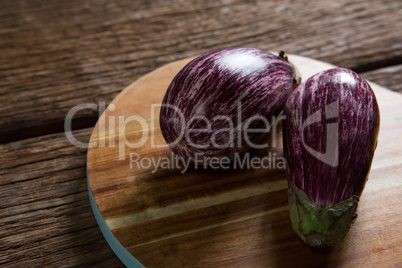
45	215
391	77
57	54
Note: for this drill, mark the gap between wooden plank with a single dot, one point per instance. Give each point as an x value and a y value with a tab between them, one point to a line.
91	118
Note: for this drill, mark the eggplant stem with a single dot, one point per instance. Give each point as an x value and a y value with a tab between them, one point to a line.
181	143
319	227
298	77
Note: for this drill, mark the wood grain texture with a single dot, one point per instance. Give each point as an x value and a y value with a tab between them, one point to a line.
45	216
57	54
236	217
390	76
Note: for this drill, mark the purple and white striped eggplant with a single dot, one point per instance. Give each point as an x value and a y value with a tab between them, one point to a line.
219	104
329	135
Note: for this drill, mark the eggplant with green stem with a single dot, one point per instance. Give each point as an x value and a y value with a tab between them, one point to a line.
329	135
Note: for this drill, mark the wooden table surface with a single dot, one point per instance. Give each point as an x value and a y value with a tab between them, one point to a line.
55	55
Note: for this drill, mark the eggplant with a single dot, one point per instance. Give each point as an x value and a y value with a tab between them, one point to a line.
330	134
220	104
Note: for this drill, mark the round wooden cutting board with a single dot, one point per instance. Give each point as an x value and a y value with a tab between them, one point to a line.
153	211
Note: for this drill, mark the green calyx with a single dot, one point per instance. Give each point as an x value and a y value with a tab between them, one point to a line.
298	78
319	227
